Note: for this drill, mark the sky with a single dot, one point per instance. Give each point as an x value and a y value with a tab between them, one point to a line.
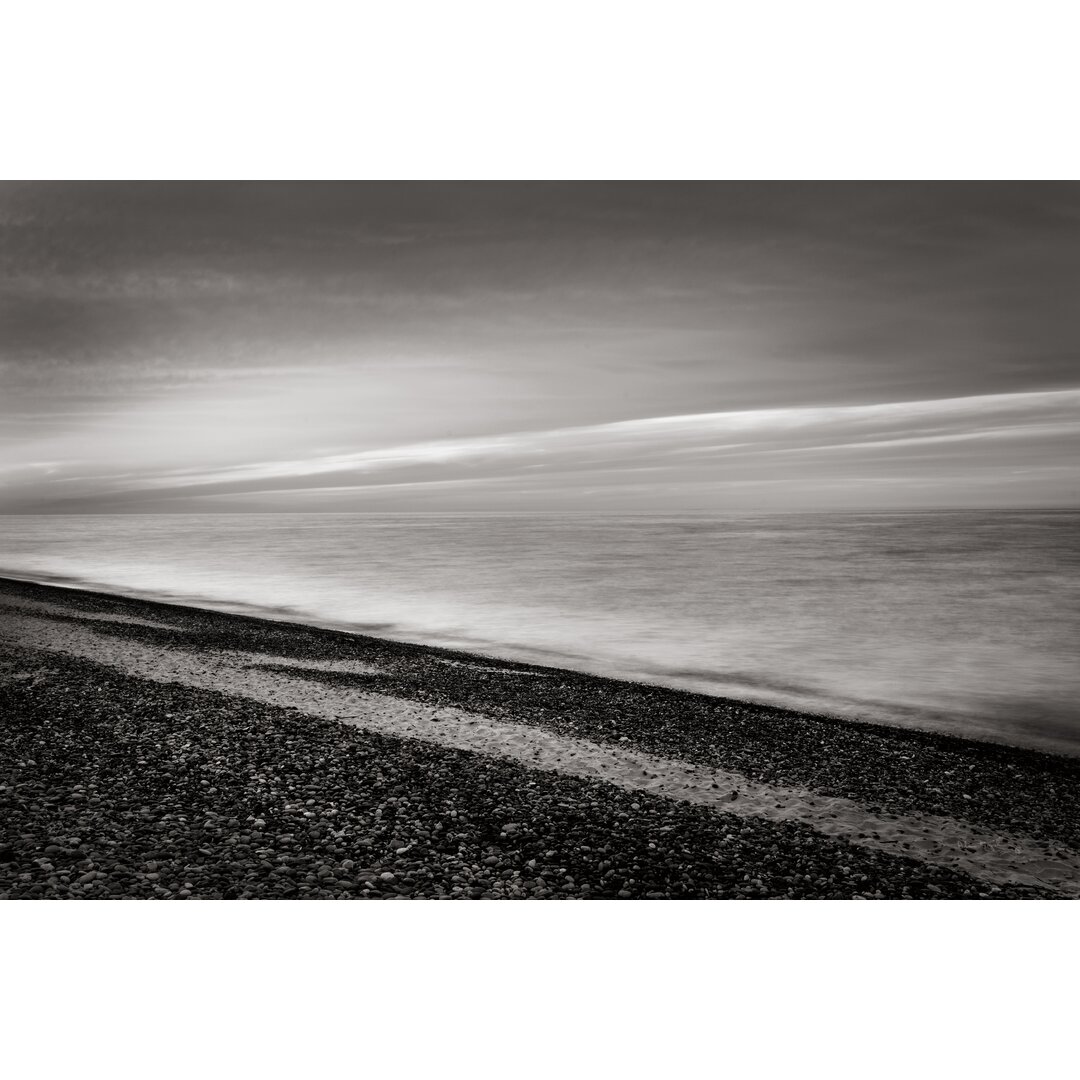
538	347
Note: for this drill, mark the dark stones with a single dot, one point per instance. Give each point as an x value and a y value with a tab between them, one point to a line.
399	818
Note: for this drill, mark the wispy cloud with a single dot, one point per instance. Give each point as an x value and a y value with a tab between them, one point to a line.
630	443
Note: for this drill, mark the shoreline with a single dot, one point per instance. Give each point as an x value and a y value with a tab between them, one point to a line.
966	792
901	718
796	700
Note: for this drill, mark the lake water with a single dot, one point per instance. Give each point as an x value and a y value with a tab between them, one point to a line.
965	622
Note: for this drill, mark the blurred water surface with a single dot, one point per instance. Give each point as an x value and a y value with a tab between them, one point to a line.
965	622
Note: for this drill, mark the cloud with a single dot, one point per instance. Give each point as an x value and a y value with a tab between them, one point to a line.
660	440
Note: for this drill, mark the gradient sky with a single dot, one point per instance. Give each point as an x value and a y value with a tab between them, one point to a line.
515	346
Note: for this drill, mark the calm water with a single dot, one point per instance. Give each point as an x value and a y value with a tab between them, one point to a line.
968	622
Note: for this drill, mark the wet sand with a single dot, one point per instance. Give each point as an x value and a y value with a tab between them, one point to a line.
464	776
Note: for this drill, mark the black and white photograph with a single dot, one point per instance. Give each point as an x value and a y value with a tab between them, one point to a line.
540	541
624	453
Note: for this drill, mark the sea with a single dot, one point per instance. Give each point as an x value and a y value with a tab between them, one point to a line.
963	622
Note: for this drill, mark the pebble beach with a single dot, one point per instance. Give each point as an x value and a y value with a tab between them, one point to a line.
154	751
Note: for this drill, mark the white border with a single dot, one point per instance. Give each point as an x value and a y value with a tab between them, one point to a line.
949	89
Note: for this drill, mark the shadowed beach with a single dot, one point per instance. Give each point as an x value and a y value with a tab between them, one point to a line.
154	750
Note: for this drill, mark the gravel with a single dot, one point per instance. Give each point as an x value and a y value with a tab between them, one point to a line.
900	771
113	787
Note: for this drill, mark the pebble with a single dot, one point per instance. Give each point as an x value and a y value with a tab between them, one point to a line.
171	793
